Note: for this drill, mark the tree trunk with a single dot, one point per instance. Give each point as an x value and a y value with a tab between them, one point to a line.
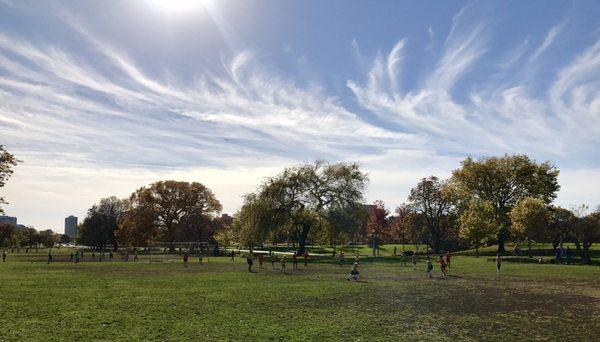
501	239
586	253
529	247
303	237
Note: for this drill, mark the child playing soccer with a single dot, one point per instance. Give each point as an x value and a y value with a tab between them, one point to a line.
283	260
429	268
448	258
442	263
414	261
295	261
354	272
341	258
498	263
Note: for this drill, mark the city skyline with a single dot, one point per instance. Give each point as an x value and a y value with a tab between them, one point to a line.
100	99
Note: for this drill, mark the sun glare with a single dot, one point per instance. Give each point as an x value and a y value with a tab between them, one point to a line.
180	6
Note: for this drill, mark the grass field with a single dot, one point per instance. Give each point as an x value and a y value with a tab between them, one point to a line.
220	300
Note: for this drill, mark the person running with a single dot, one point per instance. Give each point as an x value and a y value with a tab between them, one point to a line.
49	255
498	263
261	259
442	263
185	259
283	261
354	272
341	259
429	267
295	261
4	255
250	261
414	261
448	258
305	255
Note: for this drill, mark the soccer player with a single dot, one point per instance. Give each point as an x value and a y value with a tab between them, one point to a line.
49	255
448	257
354	272
295	261
283	261
185	259
272	259
429	267
498	263
414	259
261	259
4	255
250	261
341	258
442	263
305	258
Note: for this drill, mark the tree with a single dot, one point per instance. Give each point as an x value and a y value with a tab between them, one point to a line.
377	224
137	227
477	224
431	199
172	206
102	220
410	225
64	239
503	181
7	162
530	218
342	224
301	197
6	233
584	231
47	238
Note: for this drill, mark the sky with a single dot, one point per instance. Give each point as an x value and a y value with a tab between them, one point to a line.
99	98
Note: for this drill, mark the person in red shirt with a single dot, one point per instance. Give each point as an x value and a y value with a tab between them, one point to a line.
260	260
305	258
442	263
448	257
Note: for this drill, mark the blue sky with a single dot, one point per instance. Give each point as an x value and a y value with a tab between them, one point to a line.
101	97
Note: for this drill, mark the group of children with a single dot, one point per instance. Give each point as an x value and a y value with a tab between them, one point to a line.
272	259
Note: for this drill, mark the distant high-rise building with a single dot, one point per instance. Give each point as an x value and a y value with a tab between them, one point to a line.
11	221
71	226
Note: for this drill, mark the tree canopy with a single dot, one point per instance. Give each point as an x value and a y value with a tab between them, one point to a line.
503	181
303	197
7	162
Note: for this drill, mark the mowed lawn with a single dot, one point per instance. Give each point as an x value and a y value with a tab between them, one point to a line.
220	300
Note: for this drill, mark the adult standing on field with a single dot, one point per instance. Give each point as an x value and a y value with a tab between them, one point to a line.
295	261
498	263
305	258
49	255
250	261
414	260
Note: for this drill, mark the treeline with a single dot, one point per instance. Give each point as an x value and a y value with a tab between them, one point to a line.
29	237
487	200
166	211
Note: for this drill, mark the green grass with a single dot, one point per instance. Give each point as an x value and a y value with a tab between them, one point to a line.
220	300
